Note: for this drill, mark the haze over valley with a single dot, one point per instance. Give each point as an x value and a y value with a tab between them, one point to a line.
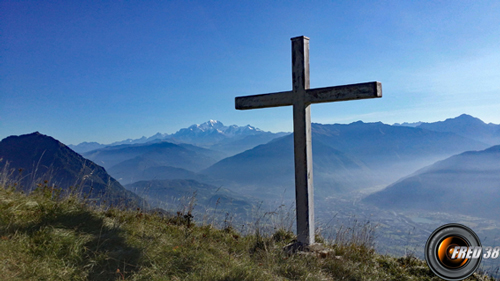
404	178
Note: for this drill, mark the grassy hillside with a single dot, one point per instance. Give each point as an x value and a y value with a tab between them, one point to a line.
45	237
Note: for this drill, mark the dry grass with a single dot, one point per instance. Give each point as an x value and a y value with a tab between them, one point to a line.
46	236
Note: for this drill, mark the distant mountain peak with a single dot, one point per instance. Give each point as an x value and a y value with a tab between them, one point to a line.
208	126
41	157
33	137
467	126
204	134
462	120
214	126
466	117
407	124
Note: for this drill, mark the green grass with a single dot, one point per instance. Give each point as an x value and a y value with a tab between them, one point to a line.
46	237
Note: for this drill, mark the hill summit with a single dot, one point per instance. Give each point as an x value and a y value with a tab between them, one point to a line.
40	159
467	126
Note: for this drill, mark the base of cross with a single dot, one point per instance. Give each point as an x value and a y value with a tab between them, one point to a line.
317	249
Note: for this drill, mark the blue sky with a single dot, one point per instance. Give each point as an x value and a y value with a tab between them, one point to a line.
110	70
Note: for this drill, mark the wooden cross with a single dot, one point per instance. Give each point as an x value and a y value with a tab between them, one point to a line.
301	97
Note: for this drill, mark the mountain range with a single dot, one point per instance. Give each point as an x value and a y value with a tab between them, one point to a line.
212	134
466	126
393	151
347	157
406	178
467	183
163	153
268	169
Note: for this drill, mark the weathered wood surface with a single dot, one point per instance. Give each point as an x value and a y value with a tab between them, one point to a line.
318	95
304	188
346	92
265	100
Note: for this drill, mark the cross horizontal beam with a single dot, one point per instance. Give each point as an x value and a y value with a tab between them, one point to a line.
319	95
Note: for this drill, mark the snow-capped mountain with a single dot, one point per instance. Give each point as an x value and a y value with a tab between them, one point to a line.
234	130
209	125
406	124
211	134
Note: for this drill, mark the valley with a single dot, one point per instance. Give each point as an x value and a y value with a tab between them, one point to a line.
397	182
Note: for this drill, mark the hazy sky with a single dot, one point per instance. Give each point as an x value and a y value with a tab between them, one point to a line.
110	70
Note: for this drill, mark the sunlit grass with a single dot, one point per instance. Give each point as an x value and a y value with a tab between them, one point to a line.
49	236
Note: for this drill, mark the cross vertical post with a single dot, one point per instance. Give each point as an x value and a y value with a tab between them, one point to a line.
304	189
301	98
